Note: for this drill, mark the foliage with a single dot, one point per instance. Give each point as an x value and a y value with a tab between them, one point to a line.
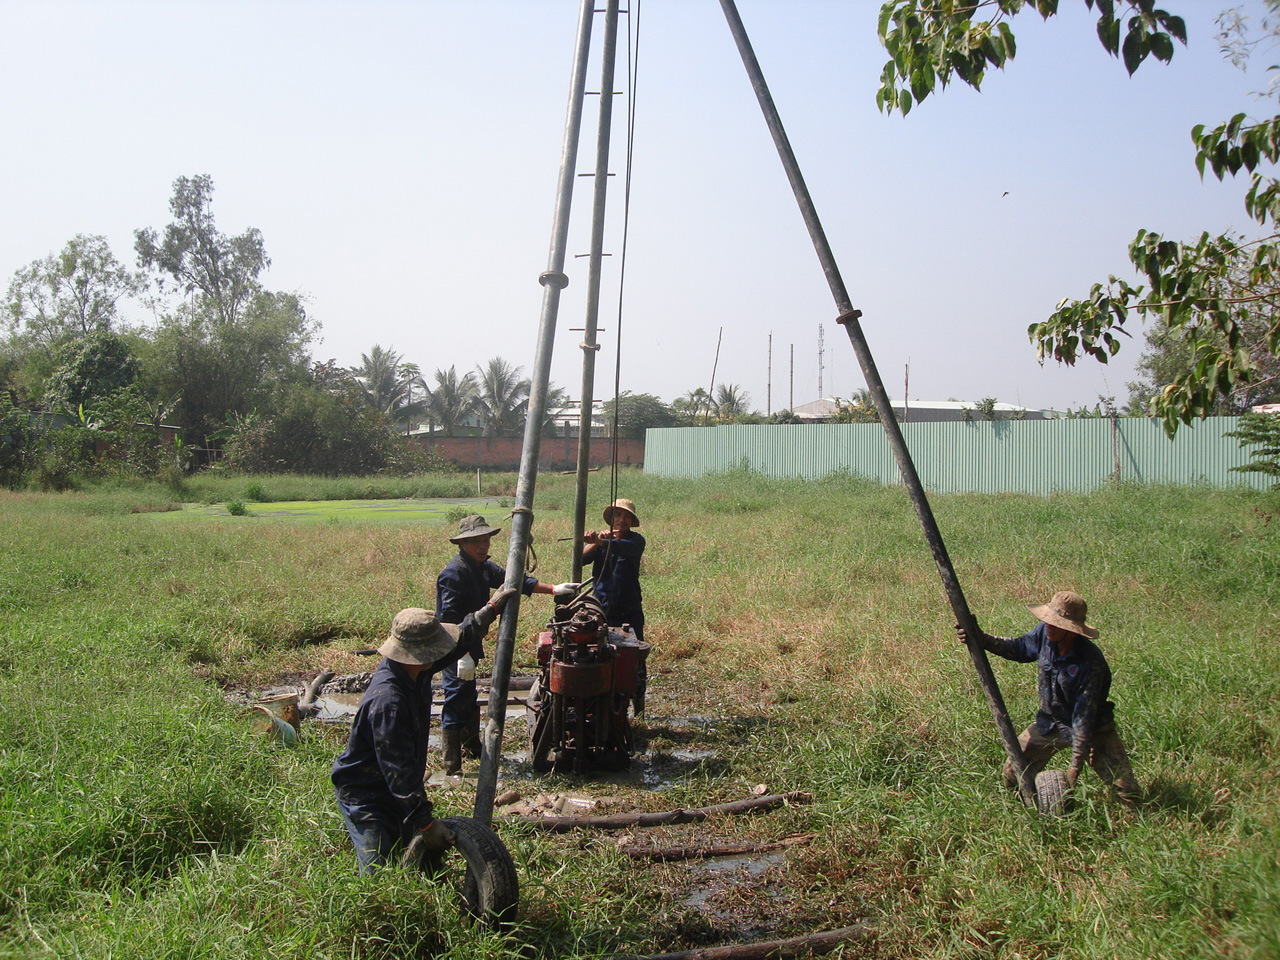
1213	299
731	402
453	399
218	371
986	410
861	408
692	409
17	443
70	294
388	382
930	42
194	257
89	369
502	398
634	413
325	432
1262	430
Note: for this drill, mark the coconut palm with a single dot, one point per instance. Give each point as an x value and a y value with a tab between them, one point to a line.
452	400
731	401
382	378
690	408
503	397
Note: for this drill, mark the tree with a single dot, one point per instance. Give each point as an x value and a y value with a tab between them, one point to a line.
388	384
1262	430
193	256
691	409
860	408
731	401
452	400
635	413
89	370
1204	293
503	396
70	294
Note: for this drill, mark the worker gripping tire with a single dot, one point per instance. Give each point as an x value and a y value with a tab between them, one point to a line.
490	889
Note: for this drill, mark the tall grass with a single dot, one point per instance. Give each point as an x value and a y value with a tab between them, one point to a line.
143	818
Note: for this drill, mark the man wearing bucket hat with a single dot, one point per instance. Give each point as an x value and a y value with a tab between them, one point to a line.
1074	682
378	778
614	555
462	586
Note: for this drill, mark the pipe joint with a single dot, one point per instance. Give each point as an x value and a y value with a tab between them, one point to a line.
553	278
846	318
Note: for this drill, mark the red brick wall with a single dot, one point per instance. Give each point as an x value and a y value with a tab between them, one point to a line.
556	453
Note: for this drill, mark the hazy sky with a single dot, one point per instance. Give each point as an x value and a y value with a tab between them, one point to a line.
400	159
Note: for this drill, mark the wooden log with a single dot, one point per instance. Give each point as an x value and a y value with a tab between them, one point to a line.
823	942
623	820
665	854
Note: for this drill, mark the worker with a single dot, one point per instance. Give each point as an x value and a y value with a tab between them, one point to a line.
462	586
1074	682
615	562
378	778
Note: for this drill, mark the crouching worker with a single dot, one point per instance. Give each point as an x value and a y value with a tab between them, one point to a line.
378	778
1074	682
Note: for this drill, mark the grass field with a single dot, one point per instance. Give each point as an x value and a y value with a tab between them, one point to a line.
802	624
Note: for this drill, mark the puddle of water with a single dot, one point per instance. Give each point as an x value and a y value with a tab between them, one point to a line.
753	865
337	706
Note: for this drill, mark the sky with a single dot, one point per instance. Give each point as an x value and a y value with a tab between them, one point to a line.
400	158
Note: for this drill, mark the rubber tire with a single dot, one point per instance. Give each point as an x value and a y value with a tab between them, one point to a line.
1053	793
490	888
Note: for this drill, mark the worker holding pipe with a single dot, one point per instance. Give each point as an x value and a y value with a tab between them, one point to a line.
1074	682
378	778
462	586
615	558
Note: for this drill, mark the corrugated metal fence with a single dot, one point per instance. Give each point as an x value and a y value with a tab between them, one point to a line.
1015	456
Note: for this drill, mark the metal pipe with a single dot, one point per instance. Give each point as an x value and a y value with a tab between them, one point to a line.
553	281
589	345
849	319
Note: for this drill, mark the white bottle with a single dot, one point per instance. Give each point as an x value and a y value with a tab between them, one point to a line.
466	667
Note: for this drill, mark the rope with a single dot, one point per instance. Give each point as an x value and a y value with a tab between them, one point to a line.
530	555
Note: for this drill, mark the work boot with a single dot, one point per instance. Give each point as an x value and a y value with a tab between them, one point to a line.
452	742
471	739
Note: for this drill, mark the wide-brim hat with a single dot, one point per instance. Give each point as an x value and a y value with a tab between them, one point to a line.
1066	610
621	504
473	526
418	637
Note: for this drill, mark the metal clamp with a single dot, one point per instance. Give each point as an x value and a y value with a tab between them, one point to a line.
553	278
846	318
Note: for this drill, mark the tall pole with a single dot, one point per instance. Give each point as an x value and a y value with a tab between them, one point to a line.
848	318
589	344
768	390
553	281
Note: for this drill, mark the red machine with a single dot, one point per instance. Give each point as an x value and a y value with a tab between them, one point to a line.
577	708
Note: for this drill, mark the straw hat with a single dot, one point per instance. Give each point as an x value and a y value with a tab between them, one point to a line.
418	637
473	526
1066	610
621	504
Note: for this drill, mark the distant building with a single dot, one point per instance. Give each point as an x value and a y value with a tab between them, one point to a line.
923	411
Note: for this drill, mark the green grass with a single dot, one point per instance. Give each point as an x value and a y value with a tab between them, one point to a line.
140	816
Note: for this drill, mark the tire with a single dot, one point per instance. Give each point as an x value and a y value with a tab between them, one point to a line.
1053	793
490	888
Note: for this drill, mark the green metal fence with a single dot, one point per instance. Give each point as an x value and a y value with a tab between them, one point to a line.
1014	456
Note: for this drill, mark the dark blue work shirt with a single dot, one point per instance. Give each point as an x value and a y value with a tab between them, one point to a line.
386	756
463	587
615	564
1073	688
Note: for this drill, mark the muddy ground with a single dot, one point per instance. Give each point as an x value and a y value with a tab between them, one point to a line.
761	887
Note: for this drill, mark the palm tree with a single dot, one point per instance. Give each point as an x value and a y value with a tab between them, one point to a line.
452	400
503	397
731	401
383	379
689	408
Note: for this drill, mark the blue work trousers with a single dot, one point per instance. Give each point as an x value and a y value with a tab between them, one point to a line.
377	830
459	710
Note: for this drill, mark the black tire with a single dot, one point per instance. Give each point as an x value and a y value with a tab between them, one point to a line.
1053	793
490	888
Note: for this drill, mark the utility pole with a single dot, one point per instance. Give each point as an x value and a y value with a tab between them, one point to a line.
791	395
906	394
820	351
768	390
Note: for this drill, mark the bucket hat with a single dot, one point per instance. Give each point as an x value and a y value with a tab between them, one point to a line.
1066	610
473	526
418	637
622	504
